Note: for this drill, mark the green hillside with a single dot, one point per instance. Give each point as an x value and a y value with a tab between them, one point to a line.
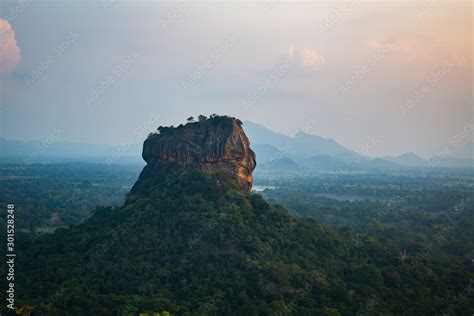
191	243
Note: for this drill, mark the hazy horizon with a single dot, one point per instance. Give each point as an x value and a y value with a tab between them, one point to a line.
110	72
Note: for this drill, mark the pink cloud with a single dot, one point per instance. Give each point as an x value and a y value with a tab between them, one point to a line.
9	50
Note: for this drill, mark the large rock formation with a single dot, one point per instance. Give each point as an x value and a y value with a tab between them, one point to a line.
218	144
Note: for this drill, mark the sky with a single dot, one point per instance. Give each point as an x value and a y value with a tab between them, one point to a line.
381	78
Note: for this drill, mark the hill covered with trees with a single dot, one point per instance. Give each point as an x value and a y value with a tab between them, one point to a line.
195	244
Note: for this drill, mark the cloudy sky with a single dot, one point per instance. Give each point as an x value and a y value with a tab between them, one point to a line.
399	72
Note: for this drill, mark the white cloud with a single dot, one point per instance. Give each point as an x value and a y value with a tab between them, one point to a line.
307	58
9	51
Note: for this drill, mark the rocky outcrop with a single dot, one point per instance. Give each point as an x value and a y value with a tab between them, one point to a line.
218	144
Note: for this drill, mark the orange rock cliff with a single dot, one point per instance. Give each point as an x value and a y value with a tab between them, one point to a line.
217	144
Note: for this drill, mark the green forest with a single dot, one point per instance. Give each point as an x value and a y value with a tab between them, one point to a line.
49	196
193	244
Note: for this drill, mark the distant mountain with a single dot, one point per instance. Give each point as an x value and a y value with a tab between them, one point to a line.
303	145
311	152
465	151
307	145
37	152
284	164
380	163
413	160
259	134
16	148
266	153
318	153
451	162
461	156
322	162
408	159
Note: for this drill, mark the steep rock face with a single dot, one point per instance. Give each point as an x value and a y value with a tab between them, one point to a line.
218	144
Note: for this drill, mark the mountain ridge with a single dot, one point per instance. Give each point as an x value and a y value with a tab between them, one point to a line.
303	145
270	145
279	146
